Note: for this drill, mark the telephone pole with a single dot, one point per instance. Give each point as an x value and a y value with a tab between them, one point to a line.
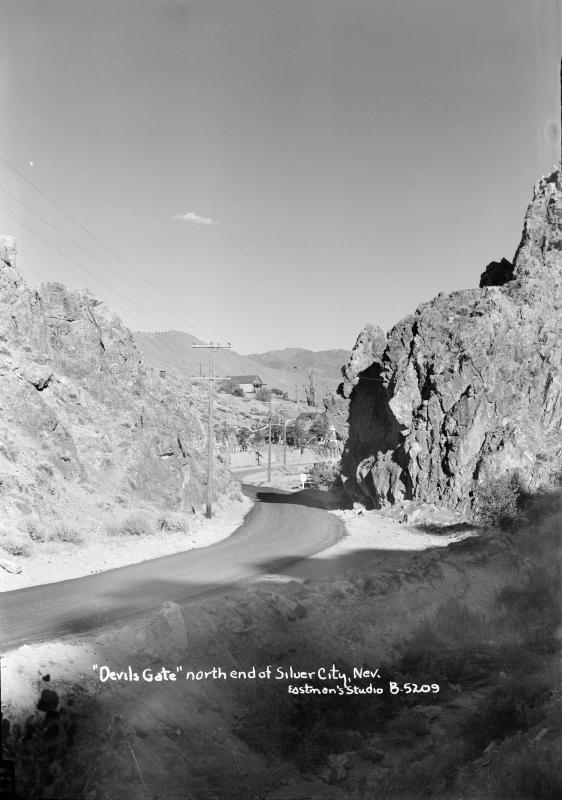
284	437
211	435
269	443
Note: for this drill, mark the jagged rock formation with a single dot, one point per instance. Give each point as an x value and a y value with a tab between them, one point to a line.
84	428
369	345
497	273
468	388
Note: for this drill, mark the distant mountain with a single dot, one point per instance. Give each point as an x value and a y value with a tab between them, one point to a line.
323	362
283	369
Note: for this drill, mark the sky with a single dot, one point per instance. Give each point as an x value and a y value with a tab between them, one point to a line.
273	173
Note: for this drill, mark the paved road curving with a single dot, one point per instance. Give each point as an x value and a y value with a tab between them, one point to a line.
273	535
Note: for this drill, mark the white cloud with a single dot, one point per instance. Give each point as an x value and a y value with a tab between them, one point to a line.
198	220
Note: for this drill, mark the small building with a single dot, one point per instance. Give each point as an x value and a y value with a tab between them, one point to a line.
248	383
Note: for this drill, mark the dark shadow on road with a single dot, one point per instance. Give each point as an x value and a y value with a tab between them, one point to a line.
115	606
312	498
443	530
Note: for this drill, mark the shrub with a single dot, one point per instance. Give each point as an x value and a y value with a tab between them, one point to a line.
229	387
306	728
17	548
516	705
532	773
34	531
42	748
319	427
535	604
66	533
263	395
426	777
449	646
9	452
324	474
495	501
407	725
169	522
136	525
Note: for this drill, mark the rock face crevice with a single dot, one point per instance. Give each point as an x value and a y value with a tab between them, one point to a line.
468	388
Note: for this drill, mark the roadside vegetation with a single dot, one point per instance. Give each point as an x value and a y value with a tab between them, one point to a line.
324	474
496	501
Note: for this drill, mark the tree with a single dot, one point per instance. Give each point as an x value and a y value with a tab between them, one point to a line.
263	395
320	427
243	437
297	435
310	390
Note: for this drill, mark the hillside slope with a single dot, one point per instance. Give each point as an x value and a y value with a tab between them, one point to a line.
323	362
86	431
467	391
172	351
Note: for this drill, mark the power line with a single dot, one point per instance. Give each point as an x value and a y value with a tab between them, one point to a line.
84	250
101	242
78	264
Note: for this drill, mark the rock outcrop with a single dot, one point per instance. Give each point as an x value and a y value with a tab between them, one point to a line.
468	388
497	273
370	345
85	428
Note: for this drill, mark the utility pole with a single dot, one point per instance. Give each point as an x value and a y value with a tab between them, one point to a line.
269	443
211	435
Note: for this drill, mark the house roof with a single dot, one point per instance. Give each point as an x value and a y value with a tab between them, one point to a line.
246	379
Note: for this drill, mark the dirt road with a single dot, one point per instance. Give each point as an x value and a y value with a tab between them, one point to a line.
273	535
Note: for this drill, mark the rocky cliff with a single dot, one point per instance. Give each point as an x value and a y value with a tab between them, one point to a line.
369	345
467	390
85	429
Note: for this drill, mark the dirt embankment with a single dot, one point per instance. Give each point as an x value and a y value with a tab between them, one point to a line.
427	618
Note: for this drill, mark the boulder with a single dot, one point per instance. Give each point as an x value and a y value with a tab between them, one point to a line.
497	273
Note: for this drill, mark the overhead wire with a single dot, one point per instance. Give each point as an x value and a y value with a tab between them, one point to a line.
77	263
94	236
84	250
80	266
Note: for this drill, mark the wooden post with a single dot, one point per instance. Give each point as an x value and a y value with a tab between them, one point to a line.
269	444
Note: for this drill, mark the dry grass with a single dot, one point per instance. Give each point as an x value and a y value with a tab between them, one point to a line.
17	548
533	772
64	532
137	525
171	522
35	530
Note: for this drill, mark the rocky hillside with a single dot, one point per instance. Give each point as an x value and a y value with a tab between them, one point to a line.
86	430
467	390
